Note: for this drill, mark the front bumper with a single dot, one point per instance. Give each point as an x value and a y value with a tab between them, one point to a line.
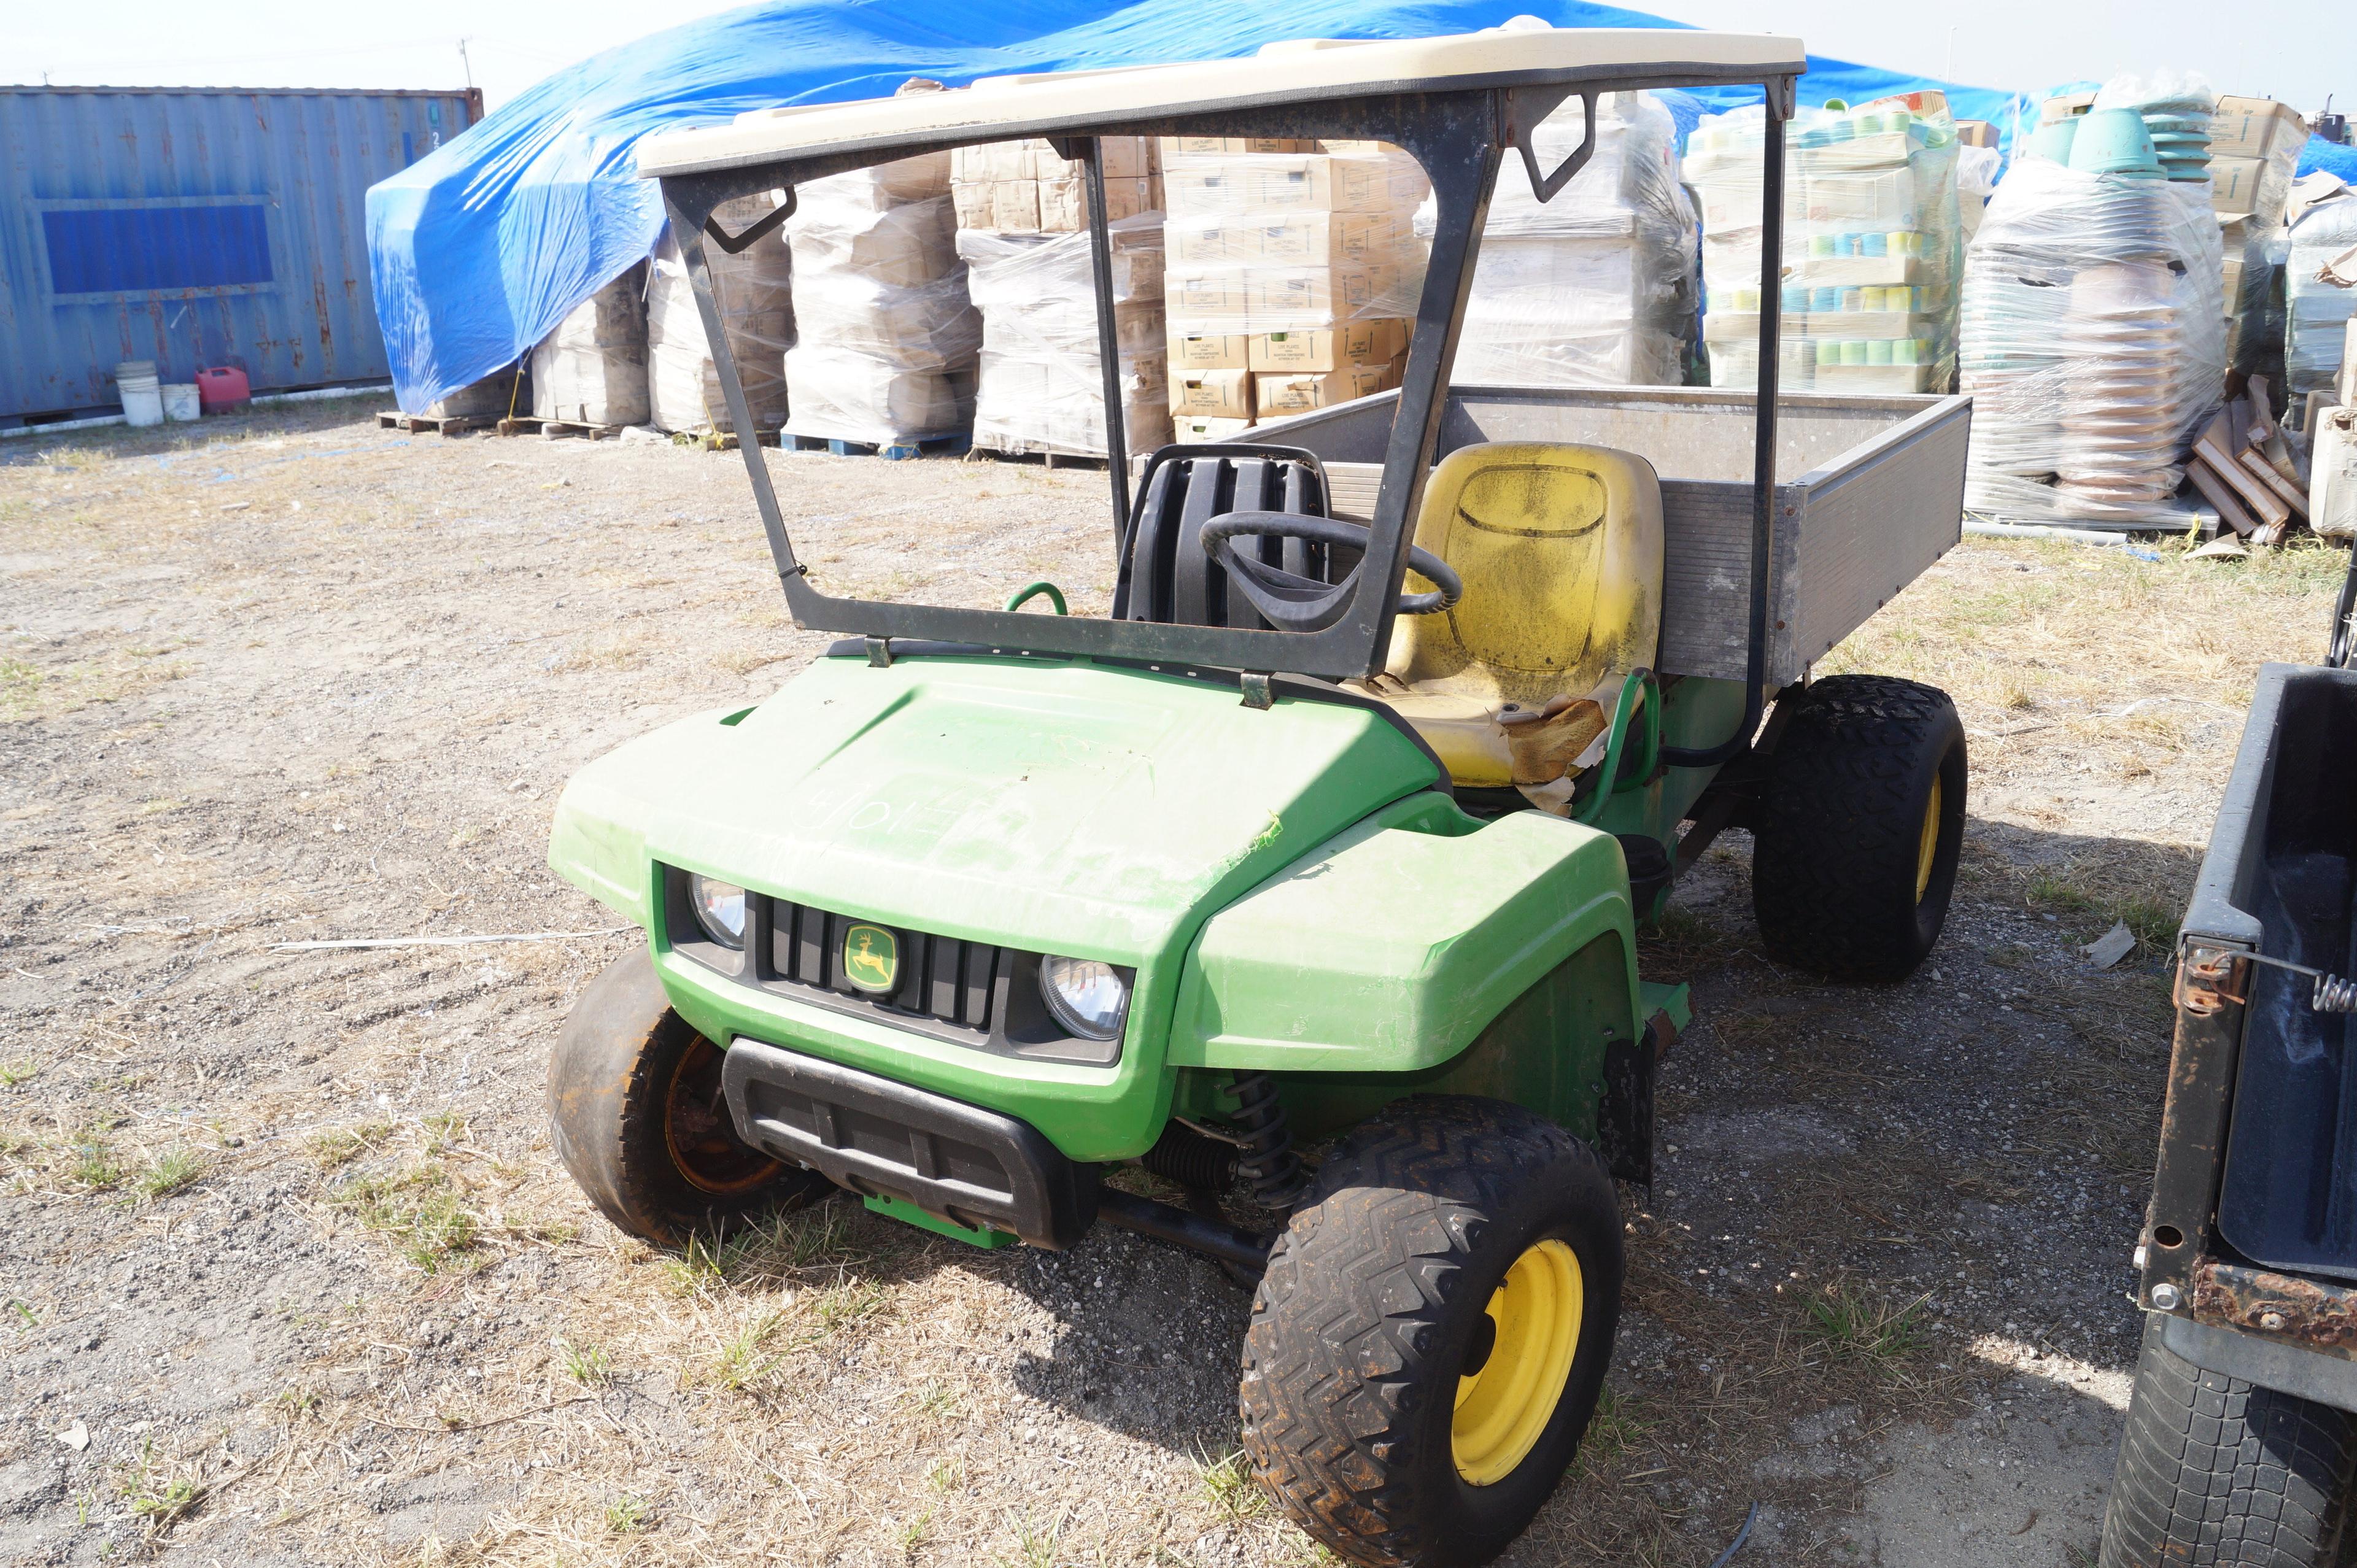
883	1138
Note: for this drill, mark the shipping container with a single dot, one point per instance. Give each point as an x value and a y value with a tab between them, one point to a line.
195	225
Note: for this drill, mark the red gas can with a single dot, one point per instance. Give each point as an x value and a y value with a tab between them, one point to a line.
222	389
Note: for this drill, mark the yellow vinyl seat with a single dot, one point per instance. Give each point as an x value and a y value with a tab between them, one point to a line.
1560	548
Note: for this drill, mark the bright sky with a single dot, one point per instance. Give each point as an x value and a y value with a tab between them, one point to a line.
2298	52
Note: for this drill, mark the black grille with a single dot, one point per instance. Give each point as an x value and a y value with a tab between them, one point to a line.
975	994
941	978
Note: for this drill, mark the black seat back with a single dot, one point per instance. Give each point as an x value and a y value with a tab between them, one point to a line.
1166	574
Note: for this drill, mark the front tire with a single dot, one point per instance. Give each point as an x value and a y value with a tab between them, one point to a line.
1861	819
2214	1469
636	1113
1429	1343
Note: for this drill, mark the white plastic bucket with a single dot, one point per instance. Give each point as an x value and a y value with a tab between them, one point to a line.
180	401
143	397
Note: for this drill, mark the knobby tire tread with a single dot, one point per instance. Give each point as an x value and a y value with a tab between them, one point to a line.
1840	819
1346	1311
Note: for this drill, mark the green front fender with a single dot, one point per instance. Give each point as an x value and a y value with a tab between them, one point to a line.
1374	966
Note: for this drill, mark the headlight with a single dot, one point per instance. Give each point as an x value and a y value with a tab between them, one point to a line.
719	908
1089	998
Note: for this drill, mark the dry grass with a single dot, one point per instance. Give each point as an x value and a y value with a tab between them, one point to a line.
827	1387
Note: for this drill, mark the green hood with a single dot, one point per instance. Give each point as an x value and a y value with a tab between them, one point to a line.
1067	807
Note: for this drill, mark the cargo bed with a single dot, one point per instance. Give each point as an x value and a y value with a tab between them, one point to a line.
2280	879
1870	492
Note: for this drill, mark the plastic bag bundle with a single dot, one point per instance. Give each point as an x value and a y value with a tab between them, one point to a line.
1873	246
2316	308
755	292
592	369
1596	287
2092	344
889	337
1042	387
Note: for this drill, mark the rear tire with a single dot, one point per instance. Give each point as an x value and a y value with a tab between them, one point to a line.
2216	1470
1861	818
1429	1343
636	1114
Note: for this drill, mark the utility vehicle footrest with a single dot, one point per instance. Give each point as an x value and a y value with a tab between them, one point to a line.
879	1137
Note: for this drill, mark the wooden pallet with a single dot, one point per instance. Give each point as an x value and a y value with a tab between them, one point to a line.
933	447
519	424
431	423
1050	456
566	429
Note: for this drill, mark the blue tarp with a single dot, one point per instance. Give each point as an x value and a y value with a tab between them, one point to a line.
2320	157
481	248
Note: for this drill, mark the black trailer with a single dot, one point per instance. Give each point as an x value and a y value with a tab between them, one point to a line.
2242	1435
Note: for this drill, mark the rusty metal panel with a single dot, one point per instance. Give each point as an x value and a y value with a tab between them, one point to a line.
2286	1309
194	227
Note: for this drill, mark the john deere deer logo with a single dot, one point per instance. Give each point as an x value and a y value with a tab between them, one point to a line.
871	958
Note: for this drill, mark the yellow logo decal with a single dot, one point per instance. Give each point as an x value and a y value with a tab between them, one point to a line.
871	958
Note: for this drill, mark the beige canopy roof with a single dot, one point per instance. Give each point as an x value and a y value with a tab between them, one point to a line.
1062	102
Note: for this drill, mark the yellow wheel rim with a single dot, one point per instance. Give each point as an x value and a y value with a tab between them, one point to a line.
1929	845
1505	1401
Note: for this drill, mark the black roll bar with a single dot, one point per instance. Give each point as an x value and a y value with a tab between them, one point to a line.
1763	441
1460	137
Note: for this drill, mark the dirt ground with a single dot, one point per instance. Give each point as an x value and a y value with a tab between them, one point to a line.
291	1275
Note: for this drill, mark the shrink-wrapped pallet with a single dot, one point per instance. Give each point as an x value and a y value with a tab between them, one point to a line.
1596	287
2320	297
754	289
1289	267
1042	386
2094	345
888	337
498	393
592	369
1872	249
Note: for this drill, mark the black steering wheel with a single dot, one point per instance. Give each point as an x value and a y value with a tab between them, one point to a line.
1291	601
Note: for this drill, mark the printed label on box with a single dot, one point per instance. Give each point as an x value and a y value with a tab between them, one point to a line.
1289	393
1207	291
1225	394
1375	342
1308	296
1209	351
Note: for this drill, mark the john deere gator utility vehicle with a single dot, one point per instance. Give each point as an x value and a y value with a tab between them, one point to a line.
1307	878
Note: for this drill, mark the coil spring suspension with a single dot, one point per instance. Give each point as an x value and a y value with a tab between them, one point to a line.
1265	1152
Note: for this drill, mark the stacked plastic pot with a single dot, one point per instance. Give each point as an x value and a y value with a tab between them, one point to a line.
2093	334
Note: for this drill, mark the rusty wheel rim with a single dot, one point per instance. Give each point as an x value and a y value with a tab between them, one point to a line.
705	1148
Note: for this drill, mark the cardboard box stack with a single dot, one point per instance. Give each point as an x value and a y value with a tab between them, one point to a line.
1023	234
2255	147
888	336
1023	187
1291	273
755	291
1873	249
592	369
1596	287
